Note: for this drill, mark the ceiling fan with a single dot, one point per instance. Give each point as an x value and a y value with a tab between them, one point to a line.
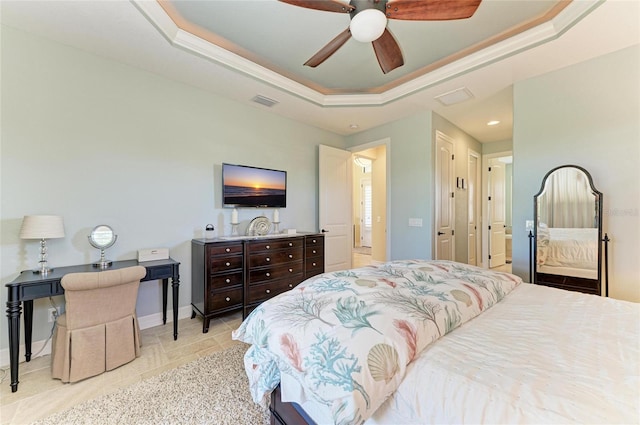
369	23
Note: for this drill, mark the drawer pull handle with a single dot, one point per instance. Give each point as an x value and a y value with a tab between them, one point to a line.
314	241
291	285
268	247
290	244
228	264
314	264
268	291
290	255
314	251
227	299
268	259
290	270
268	274
228	250
228	280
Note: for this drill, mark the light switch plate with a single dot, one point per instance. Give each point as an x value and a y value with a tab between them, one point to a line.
415	222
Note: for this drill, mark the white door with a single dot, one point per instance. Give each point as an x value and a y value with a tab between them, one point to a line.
474	206
366	212
444	202
335	176
497	213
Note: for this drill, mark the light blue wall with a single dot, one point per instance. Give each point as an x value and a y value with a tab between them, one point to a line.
411	182
99	142
411	189
588	115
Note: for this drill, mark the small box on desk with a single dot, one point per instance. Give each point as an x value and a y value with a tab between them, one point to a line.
153	254
290	231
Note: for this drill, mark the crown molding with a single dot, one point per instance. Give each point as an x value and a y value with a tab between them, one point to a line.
535	36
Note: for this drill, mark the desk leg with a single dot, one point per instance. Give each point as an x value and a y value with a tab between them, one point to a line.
28	328
175	285
13	318
165	289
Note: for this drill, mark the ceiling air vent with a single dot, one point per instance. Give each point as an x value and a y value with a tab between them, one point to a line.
455	96
263	100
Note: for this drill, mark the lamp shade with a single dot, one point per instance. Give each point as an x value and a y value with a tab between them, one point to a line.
368	25
42	227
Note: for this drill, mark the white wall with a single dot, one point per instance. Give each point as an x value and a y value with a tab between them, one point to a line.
99	142
586	115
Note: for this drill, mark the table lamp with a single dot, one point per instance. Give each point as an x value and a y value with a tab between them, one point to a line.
42	227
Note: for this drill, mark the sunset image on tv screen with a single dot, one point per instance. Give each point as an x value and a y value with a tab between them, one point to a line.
248	186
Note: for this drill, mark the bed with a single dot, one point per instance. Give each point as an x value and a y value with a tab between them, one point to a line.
434	341
568	251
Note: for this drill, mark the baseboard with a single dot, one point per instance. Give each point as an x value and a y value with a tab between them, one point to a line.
145	322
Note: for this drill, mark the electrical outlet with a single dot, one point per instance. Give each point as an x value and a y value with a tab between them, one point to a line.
52	314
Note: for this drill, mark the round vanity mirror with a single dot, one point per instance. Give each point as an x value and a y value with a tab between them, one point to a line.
102	237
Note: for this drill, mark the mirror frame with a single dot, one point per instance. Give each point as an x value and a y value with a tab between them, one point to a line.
573	283
102	228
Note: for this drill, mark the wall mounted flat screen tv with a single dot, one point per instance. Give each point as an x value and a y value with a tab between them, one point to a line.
246	186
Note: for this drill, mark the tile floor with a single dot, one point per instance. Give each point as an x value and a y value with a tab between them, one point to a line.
39	395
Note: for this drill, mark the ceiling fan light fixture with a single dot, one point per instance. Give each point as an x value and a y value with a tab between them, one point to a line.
368	25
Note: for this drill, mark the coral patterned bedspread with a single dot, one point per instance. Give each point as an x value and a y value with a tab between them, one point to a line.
348	336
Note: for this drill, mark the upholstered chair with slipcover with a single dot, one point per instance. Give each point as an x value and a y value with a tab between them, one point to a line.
99	330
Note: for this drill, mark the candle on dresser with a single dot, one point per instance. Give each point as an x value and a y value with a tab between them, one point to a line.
276	216
234	216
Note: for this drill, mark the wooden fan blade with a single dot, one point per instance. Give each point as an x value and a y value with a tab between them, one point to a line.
388	52
326	5
329	49
431	10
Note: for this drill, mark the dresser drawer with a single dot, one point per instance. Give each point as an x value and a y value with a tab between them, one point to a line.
314	241
275	272
222	264
272	245
225	249
261	259
314	266
224	299
226	280
314	251
264	291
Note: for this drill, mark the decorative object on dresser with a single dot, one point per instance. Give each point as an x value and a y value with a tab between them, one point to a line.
259	226
42	227
230	275
209	231
567	249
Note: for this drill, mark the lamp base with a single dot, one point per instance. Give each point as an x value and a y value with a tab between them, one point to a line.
43	272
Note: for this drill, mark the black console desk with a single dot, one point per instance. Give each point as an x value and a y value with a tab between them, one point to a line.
30	286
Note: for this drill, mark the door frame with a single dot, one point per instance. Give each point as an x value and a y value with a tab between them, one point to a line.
387	143
477	203
485	203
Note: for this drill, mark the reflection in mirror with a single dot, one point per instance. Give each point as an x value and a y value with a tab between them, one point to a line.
568	231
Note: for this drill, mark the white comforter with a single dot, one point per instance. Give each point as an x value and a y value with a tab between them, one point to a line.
542	355
344	339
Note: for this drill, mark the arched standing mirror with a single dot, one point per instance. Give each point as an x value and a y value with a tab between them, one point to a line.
567	251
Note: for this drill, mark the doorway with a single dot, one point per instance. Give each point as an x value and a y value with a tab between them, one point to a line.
369	209
497	231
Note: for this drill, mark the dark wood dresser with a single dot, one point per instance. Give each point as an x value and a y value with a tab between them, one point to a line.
231	275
